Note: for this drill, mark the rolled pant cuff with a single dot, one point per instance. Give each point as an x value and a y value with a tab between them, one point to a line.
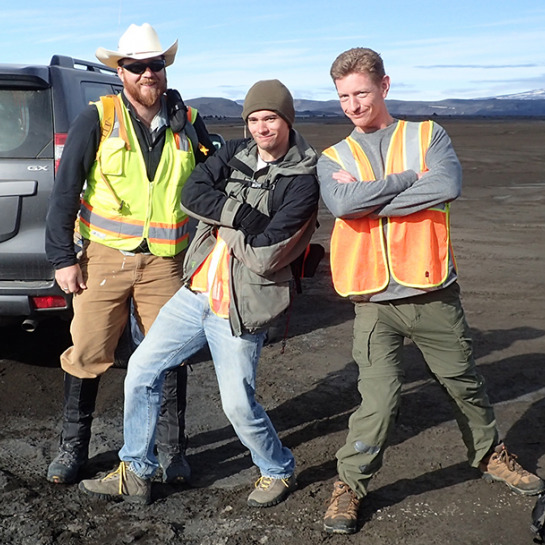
141	470
283	476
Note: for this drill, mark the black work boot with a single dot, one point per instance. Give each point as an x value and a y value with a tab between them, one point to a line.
171	441
79	405
538	519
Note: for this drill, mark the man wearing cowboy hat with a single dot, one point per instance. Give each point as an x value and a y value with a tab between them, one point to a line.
130	156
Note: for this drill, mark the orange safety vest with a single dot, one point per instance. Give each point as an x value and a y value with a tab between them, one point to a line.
414	250
212	276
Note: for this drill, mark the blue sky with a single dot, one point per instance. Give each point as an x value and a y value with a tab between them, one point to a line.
431	49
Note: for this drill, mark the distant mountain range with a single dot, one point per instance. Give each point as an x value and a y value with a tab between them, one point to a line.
528	104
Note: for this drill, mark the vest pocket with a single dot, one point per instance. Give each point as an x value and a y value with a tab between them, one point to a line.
186	159
112	156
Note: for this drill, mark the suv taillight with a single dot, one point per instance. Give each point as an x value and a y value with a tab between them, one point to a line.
60	139
49	301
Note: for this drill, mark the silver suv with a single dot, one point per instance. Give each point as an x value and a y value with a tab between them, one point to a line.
37	105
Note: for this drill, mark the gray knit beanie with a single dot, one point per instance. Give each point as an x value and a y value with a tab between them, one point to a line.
269	94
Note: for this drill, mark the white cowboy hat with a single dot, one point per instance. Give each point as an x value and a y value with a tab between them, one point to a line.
138	42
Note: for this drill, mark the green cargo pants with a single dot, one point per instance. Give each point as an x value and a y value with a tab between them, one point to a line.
435	322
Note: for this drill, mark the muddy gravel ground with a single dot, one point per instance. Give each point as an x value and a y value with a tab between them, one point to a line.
425	494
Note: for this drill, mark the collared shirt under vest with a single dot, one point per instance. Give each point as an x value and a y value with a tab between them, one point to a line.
413	250
120	206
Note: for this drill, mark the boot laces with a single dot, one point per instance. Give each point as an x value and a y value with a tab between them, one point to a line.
67	457
265	482
510	460
344	500
119	473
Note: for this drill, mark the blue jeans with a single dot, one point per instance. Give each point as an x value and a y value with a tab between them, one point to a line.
184	325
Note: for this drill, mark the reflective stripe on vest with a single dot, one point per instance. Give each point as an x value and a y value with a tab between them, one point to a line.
415	248
213	277
121	206
109	225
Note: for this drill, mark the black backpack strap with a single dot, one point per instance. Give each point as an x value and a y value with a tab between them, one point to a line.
178	116
236	164
278	194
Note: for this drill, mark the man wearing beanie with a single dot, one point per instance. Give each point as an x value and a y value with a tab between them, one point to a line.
270	95
256	201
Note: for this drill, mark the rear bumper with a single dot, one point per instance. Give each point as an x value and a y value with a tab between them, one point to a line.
16	299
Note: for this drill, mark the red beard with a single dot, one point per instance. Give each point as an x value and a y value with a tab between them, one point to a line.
146	95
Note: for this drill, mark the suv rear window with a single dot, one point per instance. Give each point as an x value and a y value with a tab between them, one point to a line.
93	91
27	123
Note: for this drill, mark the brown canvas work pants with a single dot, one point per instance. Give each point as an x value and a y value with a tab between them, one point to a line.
102	310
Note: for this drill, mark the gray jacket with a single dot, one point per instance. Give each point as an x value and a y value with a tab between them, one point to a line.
286	193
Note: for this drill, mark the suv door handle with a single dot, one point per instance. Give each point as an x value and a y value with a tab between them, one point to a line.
18	188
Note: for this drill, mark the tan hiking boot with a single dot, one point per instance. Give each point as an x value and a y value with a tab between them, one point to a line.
502	466
121	484
341	516
269	491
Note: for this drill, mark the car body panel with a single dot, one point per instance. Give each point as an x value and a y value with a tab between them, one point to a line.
36	102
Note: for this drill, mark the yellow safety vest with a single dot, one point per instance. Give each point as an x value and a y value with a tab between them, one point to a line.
415	250
120	206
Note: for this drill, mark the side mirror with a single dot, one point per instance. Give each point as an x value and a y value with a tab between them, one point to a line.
217	140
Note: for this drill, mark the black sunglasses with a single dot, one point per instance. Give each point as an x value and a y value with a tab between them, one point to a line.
140	67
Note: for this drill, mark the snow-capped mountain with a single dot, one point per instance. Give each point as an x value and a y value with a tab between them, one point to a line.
536	94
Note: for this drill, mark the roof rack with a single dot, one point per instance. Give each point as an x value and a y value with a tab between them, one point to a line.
69	62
